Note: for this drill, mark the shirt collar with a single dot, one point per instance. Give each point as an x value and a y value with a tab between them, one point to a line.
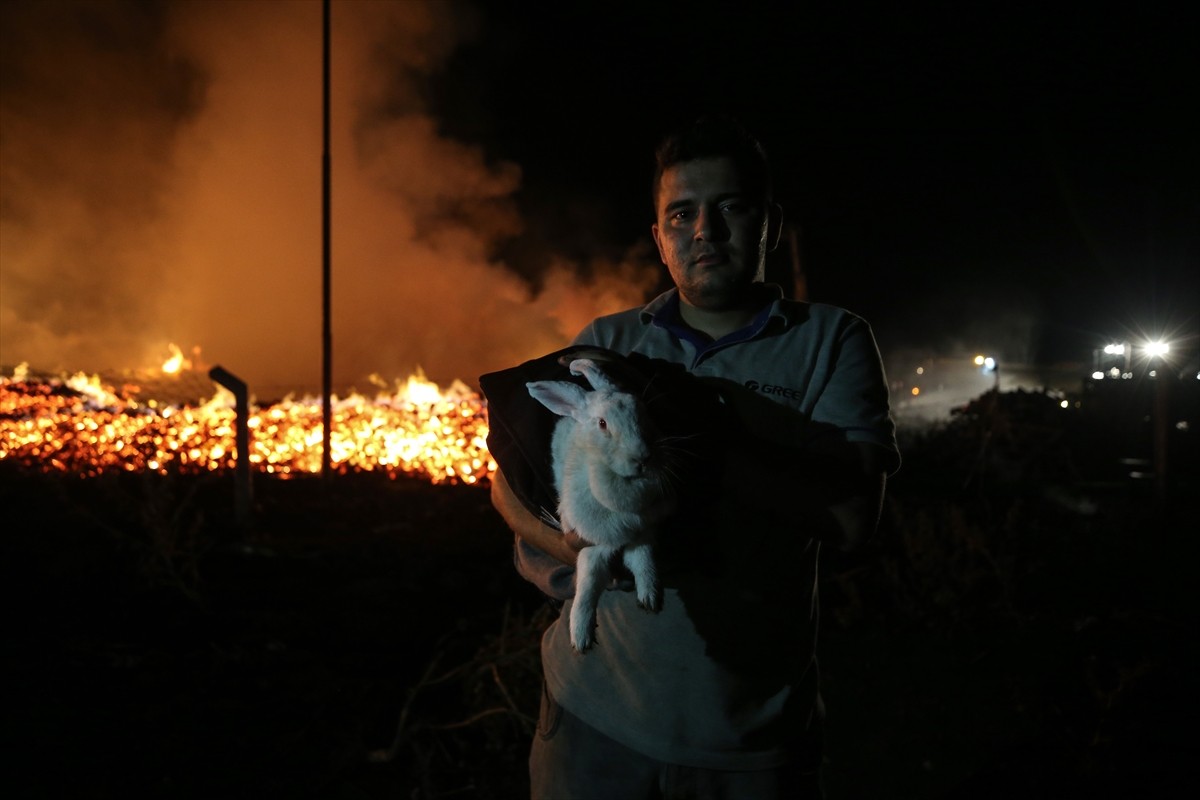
663	310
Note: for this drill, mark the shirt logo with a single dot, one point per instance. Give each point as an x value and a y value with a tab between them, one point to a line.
772	389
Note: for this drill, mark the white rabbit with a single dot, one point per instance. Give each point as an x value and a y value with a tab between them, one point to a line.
612	488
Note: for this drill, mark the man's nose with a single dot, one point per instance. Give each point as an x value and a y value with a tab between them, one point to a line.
709	226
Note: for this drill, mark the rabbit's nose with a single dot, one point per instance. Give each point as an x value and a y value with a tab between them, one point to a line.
632	467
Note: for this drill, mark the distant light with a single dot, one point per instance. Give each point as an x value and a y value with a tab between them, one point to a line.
1156	349
920	370
979	361
1064	404
1116	373
1153	373
989	363
1099	376
916	390
1114	349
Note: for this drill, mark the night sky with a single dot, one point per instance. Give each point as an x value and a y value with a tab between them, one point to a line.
1004	178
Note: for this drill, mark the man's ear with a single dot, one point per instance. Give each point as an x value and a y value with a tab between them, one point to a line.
657	242
774	225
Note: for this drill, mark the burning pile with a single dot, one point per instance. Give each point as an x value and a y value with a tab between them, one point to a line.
81	425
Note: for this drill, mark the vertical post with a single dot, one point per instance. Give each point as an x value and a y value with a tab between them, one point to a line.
326	333
1161	422
242	491
799	279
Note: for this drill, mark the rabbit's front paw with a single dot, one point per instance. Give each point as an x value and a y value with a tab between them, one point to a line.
582	638
650	599
582	642
583	623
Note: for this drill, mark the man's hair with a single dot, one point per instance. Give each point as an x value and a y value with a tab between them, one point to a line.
715	136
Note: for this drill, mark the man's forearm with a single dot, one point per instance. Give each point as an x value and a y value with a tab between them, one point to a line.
526	525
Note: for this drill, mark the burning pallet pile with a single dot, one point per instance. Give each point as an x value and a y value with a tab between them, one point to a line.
87	426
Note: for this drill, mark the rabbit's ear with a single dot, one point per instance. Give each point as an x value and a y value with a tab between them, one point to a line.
563	398
590	370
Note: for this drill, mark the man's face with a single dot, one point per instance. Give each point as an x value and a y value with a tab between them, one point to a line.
712	232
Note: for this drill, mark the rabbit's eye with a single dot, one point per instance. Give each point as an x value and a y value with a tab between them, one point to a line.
603	424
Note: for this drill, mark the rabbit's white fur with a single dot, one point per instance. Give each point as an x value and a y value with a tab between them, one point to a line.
611	491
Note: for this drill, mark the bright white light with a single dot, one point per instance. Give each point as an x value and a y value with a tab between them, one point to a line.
1114	349
1156	348
979	361
920	370
1064	404
1116	373
989	363
1099	376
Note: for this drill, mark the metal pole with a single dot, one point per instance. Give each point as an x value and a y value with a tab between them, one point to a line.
326	335
1160	417
243	492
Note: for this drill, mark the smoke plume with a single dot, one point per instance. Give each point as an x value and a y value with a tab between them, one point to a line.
161	185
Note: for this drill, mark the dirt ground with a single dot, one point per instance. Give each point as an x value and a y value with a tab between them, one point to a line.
368	638
180	657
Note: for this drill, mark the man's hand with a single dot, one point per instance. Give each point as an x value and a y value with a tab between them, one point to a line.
574	541
598	355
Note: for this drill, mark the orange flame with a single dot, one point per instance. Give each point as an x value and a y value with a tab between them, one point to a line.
82	425
176	362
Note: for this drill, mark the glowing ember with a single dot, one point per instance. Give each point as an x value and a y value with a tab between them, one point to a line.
81	426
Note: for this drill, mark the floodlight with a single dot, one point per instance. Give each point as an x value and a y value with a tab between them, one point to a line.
1158	348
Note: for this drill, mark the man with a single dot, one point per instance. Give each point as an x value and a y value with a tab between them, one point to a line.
717	694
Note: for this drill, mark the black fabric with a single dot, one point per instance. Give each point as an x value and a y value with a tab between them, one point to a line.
520	428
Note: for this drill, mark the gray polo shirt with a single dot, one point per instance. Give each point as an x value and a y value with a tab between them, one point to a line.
725	676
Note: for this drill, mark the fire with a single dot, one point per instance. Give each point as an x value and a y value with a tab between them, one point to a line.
176	362
83	426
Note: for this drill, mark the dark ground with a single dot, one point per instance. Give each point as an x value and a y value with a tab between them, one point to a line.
1024	627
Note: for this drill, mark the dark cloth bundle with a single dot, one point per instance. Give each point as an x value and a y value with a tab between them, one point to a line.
520	428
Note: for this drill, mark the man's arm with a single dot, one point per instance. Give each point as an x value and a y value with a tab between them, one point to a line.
529	528
795	486
833	487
